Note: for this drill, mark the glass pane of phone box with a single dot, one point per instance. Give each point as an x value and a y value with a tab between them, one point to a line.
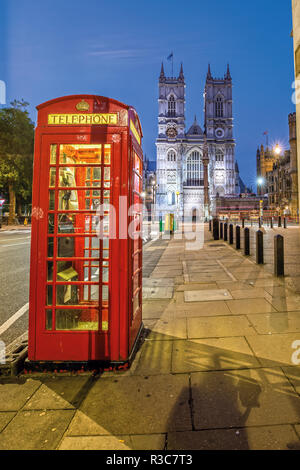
77	319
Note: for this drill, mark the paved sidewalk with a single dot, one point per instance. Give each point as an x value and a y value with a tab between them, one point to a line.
215	370
8	228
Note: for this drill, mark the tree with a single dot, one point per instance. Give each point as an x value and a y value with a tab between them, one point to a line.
16	155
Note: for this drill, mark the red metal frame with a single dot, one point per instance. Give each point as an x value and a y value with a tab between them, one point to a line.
124	310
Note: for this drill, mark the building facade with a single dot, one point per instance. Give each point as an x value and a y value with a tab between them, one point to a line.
265	159
194	166
296	36
282	180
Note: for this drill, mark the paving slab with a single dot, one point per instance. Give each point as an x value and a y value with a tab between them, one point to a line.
83	425
190	286
252	293
168	275
208	277
251	438
5	418
148	442
35	430
233	285
59	393
274	349
167	329
18	390
156	282
270	282
154	309
155	358
212	354
154	404
218	327
215	270
279	291
159	293
164	273
206	295
202	309
244	306
253	276
293	374
297	429
284	304
252	397
95	443
285	322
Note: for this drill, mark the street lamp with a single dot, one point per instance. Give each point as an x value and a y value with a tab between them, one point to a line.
177	197
277	149
260	181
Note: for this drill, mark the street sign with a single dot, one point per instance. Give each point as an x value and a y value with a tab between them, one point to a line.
2	201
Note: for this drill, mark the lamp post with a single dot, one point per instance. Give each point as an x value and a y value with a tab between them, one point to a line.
177	202
205	161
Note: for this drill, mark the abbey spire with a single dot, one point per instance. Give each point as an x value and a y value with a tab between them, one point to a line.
162	72
181	76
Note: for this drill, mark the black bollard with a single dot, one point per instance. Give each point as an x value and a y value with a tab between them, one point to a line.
216	229
225	232
271	222
221	230
247	242
238	237
279	221
209	225
278	255
284	222
243	223
259	247
230	234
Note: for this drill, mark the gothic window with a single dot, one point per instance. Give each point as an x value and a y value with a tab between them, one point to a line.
171	156
219	156
171	198
194	170
171	176
219	107
171	106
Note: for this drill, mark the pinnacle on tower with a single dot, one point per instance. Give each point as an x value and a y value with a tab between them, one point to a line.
162	72
205	148
228	76
209	75
181	76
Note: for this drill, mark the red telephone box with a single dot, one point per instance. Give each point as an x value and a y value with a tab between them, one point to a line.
86	283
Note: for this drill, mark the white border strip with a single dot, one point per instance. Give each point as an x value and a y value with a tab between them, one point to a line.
14	318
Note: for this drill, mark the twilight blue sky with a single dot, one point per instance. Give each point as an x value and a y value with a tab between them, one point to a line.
51	48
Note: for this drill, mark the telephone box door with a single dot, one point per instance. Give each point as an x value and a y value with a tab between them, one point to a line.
76	313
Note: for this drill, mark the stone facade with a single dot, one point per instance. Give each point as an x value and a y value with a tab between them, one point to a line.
296	36
265	159
180	153
282	180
